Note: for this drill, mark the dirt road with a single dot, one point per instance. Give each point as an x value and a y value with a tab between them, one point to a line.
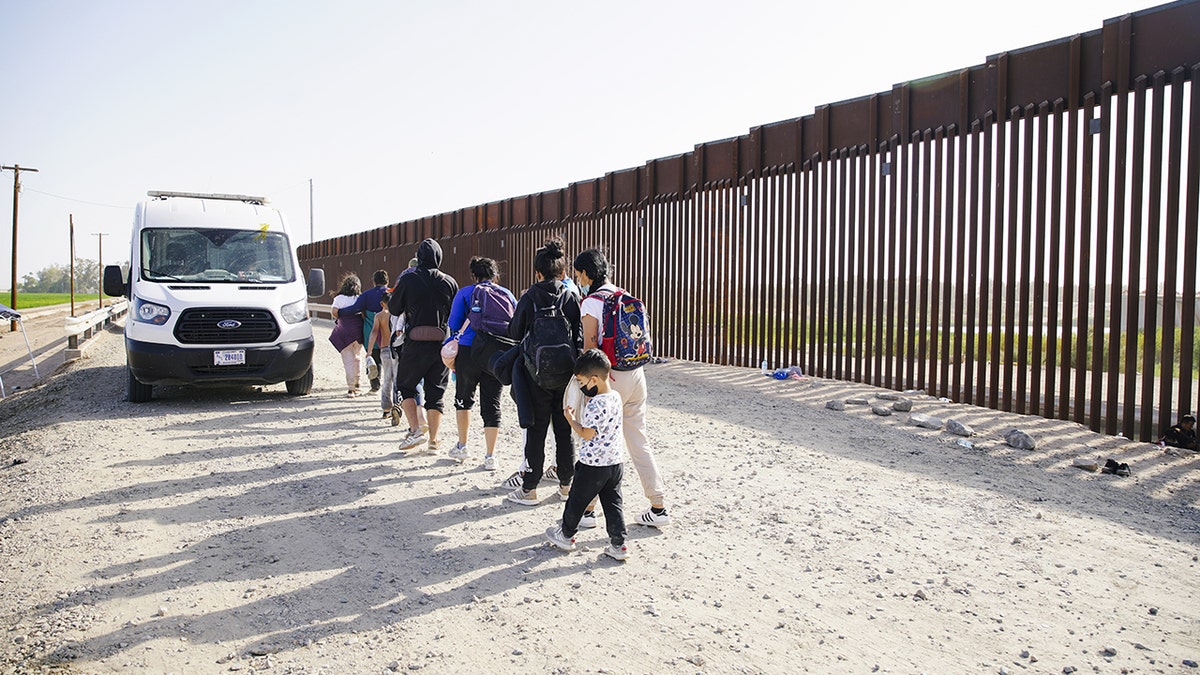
245	530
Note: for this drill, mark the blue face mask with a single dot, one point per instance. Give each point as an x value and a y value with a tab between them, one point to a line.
585	289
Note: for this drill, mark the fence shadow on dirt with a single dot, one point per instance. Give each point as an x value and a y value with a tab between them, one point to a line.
1165	484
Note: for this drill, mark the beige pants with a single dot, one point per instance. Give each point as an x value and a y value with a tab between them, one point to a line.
352	362
631	385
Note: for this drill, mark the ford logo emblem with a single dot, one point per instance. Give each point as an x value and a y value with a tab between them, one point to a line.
229	324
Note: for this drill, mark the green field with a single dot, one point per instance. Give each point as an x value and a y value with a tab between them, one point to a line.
32	300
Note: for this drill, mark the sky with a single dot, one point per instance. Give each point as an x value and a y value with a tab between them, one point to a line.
398	110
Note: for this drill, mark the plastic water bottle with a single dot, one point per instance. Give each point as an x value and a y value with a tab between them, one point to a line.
766	370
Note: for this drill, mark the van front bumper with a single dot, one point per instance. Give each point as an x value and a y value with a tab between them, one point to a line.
154	364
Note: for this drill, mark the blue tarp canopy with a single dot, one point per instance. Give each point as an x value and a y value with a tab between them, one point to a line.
8	313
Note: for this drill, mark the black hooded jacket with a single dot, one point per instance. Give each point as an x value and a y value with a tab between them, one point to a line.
424	296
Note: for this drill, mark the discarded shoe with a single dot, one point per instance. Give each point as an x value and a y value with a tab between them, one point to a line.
1118	469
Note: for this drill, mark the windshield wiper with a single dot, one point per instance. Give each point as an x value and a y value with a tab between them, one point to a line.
164	275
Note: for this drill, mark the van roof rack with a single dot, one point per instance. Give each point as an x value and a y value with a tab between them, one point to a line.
249	199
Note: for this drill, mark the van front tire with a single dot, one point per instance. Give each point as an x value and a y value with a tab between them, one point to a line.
137	392
301	385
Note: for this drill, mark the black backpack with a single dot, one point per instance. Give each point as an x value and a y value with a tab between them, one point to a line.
549	346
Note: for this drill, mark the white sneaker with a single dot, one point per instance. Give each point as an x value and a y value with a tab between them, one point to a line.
555	536
412	439
372	368
522	497
588	521
652	519
617	552
513	481
489	463
458	453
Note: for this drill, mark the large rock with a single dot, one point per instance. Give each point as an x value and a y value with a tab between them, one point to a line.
888	396
836	405
902	405
925	421
1019	439
881	410
958	428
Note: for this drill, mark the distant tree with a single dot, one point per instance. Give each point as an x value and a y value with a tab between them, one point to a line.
57	278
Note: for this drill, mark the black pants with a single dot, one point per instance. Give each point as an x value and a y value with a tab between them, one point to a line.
422	361
547	411
468	376
590	482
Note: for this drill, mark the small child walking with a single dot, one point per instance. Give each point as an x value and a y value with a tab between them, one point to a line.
385	370
599	470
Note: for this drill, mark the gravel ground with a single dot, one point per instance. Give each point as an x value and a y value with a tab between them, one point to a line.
227	530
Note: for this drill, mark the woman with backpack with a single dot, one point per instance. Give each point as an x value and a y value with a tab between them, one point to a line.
547	324
478	312
627	345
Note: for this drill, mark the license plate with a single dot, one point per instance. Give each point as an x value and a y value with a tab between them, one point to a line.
229	357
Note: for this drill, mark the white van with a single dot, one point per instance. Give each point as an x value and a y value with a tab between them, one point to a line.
216	295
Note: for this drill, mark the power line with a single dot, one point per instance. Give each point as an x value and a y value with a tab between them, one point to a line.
81	201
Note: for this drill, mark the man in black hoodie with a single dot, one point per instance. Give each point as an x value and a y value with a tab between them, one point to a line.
423	296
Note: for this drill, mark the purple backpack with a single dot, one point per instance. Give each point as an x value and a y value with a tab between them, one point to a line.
491	309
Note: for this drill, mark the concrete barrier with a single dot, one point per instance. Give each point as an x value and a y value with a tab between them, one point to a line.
79	329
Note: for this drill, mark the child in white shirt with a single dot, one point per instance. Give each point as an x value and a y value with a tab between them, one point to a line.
601	457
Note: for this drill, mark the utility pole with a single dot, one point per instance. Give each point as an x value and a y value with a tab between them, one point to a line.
100	263
71	218
310	212
16	169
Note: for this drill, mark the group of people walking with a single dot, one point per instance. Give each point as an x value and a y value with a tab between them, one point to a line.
570	349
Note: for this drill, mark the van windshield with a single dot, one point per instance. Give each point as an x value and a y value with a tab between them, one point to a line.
212	255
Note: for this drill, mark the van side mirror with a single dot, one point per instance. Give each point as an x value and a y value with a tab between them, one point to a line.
114	281
316	283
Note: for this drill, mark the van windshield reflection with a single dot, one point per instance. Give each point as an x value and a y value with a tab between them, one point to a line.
216	256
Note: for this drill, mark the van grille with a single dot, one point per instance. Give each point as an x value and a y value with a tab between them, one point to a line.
199	327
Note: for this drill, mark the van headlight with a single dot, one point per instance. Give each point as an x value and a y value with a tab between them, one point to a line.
148	312
295	312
